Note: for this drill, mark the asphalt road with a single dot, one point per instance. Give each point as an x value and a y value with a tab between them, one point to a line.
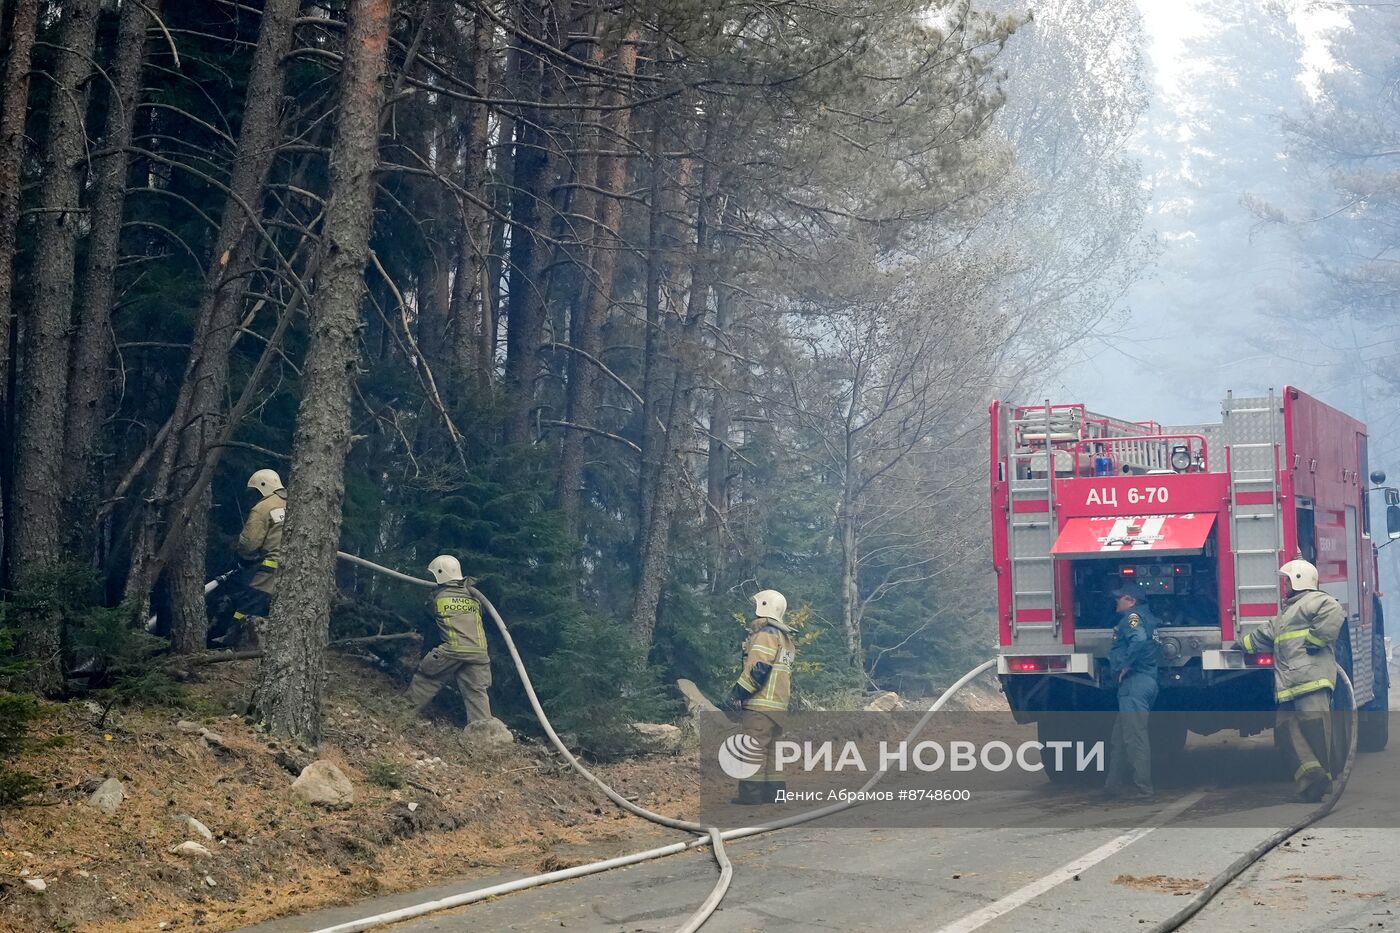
1338	875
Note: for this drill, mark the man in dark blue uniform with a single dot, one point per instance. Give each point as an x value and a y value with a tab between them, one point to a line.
1132	667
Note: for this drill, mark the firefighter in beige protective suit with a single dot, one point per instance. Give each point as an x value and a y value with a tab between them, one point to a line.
1301	639
259	545
462	657
763	690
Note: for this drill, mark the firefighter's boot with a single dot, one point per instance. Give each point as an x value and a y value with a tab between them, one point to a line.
751	794
1314	784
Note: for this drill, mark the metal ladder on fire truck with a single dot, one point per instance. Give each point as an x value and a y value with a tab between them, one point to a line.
1032	433
1252	429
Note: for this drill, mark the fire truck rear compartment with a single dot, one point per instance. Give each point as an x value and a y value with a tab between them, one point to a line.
1183	594
1181	590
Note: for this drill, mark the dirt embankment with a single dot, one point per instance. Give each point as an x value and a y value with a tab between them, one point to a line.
428	808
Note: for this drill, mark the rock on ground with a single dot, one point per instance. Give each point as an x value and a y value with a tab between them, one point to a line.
108	796
36	884
489	735
660	736
695	700
883	703
191	850
199	829
323	784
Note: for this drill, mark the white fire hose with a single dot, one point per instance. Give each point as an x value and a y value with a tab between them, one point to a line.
715	838
209	587
706	835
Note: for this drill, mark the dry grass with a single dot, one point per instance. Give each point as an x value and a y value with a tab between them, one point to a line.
475	814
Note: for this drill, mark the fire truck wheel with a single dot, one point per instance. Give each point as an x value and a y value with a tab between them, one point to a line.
1167	733
1372	730
1076	727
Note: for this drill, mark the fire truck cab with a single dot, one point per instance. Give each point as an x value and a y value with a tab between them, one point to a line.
1201	517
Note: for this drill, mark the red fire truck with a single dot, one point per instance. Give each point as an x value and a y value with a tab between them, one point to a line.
1201	517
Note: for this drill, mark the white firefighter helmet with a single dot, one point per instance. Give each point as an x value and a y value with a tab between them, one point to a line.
266	482
1301	575
445	569
770	604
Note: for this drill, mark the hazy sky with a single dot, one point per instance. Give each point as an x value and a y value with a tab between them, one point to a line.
1175	368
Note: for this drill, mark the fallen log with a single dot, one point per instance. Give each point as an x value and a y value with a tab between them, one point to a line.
221	657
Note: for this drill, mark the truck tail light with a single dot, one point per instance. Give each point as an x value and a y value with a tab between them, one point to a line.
1026	665
1258	660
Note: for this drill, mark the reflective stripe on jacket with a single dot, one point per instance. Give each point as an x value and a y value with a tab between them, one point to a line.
773	646
1309	620
458	617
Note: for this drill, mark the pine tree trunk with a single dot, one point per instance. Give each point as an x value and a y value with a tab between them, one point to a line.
497	261
184	577
44	382
473	340
434	300
654	564
88	382
442	230
850	586
536	170
13	108
287	695
583	247
652	381
588	336
524	218
717	465
14	101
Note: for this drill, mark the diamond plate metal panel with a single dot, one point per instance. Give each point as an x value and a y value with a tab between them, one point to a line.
1363	674
1031	545
1033	577
1253	420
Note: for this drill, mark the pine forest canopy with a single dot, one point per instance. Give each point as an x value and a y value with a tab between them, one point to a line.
636	308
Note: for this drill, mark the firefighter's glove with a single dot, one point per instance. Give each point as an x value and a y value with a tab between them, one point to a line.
1311	648
734	703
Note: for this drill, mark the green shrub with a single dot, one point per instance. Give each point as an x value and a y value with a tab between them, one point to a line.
386	774
106	652
122	663
17	711
598	682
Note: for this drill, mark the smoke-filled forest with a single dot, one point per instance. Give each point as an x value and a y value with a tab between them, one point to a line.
636	308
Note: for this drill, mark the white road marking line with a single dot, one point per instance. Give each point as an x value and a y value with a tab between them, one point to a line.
1060	875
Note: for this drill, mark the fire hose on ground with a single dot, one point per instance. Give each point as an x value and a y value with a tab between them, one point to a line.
1239	865
715	838
706	835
